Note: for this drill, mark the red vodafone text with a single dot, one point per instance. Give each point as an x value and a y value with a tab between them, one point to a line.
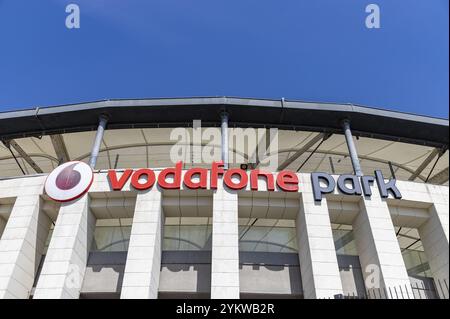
145	178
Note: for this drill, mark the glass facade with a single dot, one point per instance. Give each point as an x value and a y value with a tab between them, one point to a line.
344	240
416	263
112	235
267	235
187	233
413	253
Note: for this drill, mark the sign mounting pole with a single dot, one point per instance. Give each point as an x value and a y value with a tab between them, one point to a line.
224	127
352	148
103	120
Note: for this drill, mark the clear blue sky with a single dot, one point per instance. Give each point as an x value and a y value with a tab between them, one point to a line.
315	50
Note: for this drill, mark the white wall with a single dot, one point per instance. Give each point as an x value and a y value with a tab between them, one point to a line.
225	280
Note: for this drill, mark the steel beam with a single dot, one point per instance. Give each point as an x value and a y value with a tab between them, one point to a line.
424	164
304	149
60	148
25	156
439	178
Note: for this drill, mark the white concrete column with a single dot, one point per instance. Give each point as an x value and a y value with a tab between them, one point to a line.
318	261
143	266
379	252
225	245
434	236
65	263
21	247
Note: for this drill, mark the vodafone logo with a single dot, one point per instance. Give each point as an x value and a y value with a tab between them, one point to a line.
69	181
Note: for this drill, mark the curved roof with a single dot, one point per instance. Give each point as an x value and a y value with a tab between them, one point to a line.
138	134
243	112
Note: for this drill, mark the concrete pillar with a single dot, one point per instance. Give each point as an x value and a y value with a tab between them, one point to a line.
318	261
225	245
21	247
379	252
143	266
65	263
434	236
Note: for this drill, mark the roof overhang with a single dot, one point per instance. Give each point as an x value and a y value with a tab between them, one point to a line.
244	112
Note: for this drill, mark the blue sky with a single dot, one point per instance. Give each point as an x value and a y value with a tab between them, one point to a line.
315	50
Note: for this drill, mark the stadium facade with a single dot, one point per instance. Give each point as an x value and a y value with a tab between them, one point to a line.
138	199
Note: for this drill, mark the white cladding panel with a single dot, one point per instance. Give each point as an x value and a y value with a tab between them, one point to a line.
25	213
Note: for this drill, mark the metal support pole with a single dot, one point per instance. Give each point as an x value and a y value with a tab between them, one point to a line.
103	120
352	148
391	167
224	127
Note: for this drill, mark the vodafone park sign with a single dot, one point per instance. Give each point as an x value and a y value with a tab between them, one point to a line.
73	179
285	180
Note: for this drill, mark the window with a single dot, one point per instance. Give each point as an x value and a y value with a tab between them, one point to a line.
187	233
344	240
112	235
267	235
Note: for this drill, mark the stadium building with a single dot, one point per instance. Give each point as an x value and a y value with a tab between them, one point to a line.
332	201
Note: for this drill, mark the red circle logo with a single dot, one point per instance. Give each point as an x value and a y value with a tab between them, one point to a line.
69	181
